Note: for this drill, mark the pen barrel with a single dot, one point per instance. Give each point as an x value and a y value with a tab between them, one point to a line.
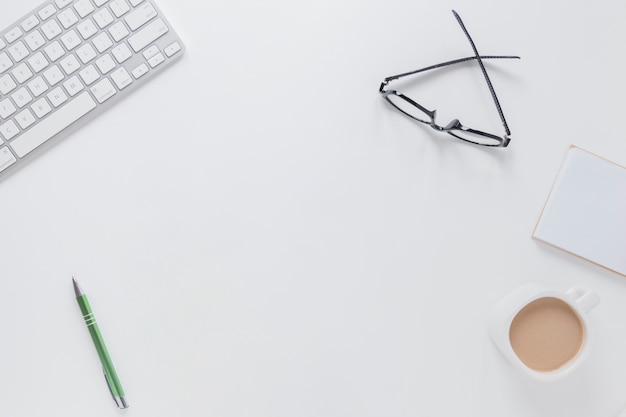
109	370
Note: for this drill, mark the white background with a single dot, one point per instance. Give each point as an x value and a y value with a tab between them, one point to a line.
261	234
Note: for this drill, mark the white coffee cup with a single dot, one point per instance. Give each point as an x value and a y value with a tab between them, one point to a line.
544	332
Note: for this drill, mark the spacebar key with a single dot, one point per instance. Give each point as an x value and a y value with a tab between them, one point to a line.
53	124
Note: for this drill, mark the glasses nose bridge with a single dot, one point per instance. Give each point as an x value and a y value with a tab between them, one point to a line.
454	124
433	121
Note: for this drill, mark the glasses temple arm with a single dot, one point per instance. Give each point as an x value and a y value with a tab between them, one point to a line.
445	64
482	67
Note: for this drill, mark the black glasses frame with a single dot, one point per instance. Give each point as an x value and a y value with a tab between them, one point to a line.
455	127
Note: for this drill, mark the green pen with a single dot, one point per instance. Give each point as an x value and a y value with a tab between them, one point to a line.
109	371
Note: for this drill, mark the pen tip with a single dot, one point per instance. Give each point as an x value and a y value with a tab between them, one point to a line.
77	289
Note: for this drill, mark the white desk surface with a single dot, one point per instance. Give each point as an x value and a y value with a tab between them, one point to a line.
260	234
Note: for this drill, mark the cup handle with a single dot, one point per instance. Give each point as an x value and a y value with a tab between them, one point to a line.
585	298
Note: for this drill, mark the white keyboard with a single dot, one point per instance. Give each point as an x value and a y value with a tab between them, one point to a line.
67	60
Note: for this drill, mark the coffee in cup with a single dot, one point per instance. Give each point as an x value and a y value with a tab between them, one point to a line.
543	332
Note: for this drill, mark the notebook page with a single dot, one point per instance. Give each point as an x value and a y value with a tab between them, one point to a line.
585	213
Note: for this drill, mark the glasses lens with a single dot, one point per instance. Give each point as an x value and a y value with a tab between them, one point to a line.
484	139
405	105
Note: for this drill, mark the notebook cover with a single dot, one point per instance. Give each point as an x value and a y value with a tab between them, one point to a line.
585	213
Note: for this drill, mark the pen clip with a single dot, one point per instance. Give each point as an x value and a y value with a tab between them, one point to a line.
120	402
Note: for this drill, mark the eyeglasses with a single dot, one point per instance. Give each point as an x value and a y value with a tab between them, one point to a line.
455	128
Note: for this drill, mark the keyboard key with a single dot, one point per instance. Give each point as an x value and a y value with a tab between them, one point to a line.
119	7
147	35
121	78
86	53
67	18
73	86
103	90
6	158
6	108
83	7
37	86
51	29
103	18
70	64
9	130
53	75
29	23
41	107
34	40
7	84
46	12
100	3
118	31
71	40
5	62
87	29
18	51
156	60
89	74
13	35
57	97
121	53
102	42
135	3
21	97
62	3
25	118
140	16
38	62
151	51
139	71
105	63
53	124
172	49
22	73
54	51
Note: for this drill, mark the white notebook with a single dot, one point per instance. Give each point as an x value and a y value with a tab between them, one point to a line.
585	213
